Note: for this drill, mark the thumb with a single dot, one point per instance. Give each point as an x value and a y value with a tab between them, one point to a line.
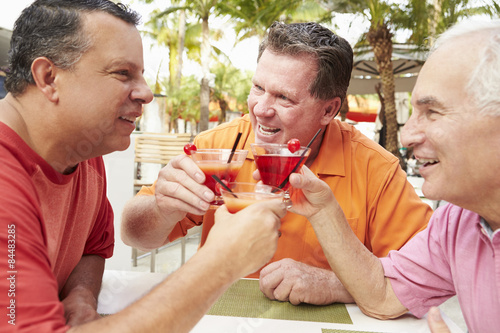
436	322
221	211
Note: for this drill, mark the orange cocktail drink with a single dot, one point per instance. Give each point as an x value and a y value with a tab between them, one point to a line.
245	194
215	162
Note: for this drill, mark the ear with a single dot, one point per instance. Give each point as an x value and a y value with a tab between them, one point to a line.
331	109
44	73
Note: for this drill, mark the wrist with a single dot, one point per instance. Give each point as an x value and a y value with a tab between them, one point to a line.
83	295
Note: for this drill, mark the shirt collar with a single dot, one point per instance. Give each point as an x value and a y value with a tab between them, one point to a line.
330	160
487	229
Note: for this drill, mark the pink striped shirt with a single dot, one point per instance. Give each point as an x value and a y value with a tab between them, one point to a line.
456	254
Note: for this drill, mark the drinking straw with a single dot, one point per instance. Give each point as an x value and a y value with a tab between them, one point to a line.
302	156
234	147
217	179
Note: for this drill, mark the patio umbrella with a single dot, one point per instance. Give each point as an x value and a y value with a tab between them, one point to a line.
4	46
407	60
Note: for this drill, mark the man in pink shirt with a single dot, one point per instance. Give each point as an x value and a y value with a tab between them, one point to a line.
452	130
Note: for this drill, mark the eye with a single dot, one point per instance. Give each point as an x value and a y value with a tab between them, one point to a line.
283	97
432	113
122	72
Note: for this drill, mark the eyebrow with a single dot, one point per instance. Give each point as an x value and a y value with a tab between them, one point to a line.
430	101
287	93
123	63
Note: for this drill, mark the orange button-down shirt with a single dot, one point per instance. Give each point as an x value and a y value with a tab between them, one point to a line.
379	203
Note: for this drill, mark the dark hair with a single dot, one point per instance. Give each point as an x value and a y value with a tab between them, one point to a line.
334	54
53	29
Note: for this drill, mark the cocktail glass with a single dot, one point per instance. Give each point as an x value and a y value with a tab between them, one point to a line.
215	162
245	194
275	163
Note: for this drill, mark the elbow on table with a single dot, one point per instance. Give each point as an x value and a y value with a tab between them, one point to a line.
384	311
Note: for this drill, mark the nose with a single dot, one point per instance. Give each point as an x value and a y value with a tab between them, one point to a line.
412	133
263	106
142	93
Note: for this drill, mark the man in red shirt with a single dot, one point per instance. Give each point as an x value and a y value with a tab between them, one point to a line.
76	74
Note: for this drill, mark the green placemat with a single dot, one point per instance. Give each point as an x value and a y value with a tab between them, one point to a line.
244	299
327	330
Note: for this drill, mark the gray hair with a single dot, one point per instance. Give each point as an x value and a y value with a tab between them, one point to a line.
484	83
333	53
54	29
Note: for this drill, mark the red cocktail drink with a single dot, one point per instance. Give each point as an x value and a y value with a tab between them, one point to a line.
275	163
224	171
215	162
274	169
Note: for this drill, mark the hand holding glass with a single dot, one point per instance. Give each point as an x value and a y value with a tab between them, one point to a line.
215	162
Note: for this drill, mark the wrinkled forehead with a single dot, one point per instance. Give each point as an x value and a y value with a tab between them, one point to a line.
448	68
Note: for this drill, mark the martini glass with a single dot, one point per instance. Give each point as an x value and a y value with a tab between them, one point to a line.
275	163
215	162
245	194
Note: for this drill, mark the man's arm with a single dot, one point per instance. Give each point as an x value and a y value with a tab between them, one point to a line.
232	250
79	294
357	268
143	227
147	220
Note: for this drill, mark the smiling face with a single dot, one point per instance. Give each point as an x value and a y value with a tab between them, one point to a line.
455	144
281	107
101	97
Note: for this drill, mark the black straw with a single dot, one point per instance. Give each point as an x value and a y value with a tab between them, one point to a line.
283	184
217	179
234	147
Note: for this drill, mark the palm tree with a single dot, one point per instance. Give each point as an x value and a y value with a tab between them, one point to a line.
202	9
231	86
380	38
253	17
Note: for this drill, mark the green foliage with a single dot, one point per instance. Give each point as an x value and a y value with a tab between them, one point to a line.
253	17
231	85
184	101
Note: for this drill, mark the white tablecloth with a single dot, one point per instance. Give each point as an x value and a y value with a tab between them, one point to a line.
121	288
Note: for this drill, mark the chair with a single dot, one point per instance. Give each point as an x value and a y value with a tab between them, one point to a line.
156	148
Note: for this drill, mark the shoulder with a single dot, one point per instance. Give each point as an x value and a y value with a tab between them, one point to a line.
452	218
364	143
356	146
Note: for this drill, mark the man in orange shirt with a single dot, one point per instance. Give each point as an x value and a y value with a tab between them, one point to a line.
300	83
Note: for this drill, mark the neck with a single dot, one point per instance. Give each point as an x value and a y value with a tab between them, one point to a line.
11	114
315	147
14	113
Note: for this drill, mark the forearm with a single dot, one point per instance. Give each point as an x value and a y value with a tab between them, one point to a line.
359	271
79	294
86	277
143	226
176	304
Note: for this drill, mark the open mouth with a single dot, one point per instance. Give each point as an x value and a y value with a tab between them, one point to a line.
427	162
129	119
268	130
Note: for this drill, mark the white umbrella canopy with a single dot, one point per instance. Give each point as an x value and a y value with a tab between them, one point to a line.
4	46
406	63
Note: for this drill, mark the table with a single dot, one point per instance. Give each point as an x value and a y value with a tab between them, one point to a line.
121	288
